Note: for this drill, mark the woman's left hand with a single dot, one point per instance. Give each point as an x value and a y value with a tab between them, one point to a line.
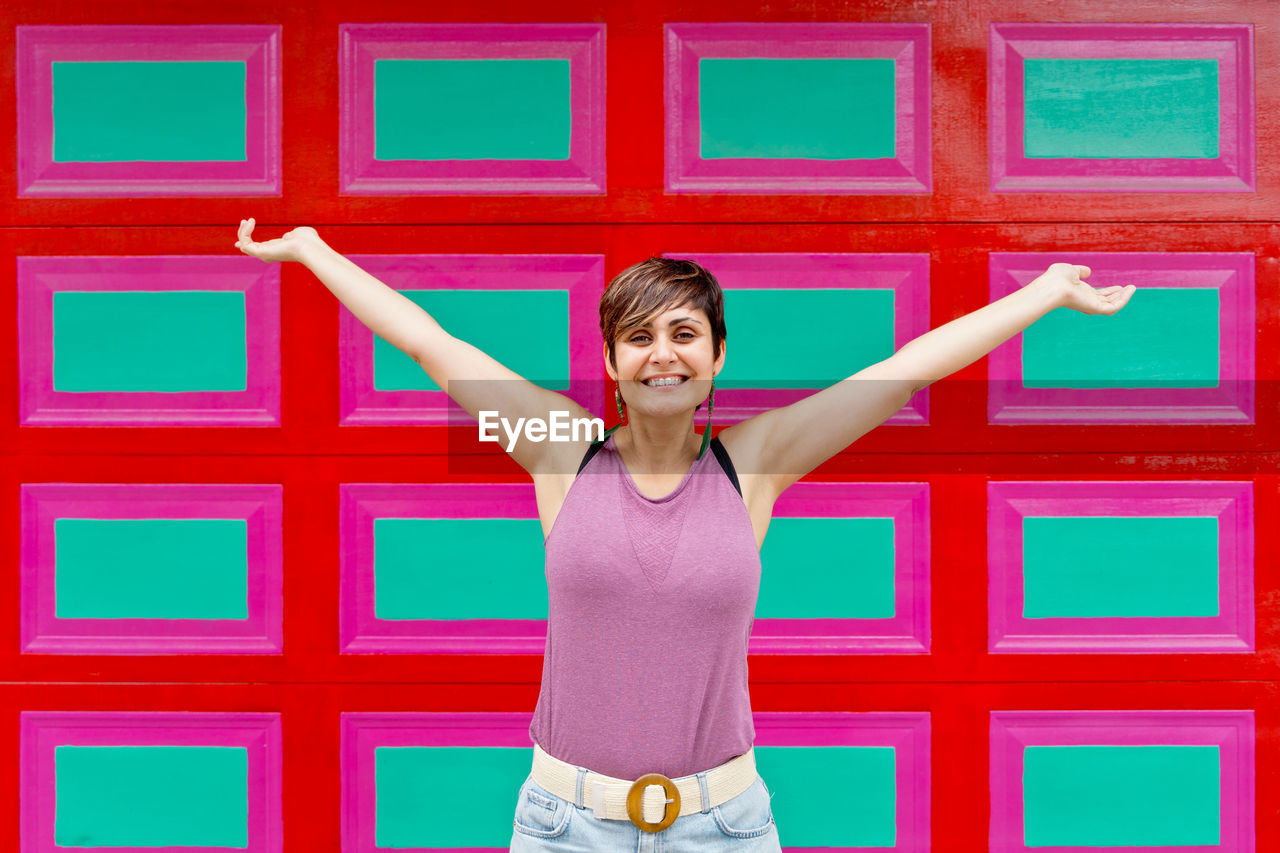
1067	280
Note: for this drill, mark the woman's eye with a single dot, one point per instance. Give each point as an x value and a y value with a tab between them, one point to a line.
639	339
686	335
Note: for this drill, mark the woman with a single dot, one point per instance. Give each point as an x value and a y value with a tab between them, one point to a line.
643	723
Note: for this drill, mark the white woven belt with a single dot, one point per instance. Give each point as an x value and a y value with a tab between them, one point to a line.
607	797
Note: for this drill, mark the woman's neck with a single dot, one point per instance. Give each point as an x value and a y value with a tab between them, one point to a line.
658	447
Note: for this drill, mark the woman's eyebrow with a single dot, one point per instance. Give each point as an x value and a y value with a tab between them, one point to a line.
676	322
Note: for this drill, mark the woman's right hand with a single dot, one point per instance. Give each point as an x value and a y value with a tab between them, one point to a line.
289	247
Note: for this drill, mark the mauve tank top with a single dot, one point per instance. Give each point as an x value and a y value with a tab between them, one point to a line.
651	605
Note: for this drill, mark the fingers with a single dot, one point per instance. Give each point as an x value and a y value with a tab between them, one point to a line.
244	235
1082	271
1116	299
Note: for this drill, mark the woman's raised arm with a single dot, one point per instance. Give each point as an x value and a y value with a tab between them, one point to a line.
473	379
784	444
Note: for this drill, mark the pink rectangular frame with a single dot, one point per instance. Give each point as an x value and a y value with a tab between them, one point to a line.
43	731
907	733
908	631
261	506
582	276
258	46
41	277
1230	502
361	45
361	632
906	44
1231	44
1231	731
906	275
362	733
1231	402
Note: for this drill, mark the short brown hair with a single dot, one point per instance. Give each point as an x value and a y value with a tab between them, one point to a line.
656	285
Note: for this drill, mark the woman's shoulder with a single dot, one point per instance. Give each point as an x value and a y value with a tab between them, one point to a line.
744	442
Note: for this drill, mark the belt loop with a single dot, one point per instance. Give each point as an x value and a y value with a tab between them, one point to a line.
577	793
702	788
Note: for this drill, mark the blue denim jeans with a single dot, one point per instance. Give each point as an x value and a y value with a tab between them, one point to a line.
544	822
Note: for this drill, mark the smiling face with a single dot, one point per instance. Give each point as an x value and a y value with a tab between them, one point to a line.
665	365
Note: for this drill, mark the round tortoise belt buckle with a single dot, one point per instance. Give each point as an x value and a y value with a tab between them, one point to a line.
635	802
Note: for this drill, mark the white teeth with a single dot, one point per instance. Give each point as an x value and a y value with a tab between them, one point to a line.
674	380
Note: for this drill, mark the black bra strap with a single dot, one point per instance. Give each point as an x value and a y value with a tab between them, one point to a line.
722	456
590	454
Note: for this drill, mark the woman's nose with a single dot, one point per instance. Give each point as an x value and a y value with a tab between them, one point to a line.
663	351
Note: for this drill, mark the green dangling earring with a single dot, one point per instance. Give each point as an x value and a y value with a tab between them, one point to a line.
706	435
622	411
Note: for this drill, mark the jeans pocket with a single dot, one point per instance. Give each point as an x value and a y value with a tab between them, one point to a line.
747	815
540	813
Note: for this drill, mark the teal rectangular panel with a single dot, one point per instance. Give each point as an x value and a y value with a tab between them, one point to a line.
1127	566
1121	796
459	568
148	112
1166	337
816	109
1120	108
859	808
526	330
165	341
472	109
828	568
817	336
474	810
161	568
152	796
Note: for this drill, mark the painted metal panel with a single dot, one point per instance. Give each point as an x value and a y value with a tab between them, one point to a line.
1013	732
1229	396
1230	629
905	276
362	631
907	630
42	732
578	276
907	734
363	734
259	507
1012	46
906	170
956	224
258	173
42	403
364	173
